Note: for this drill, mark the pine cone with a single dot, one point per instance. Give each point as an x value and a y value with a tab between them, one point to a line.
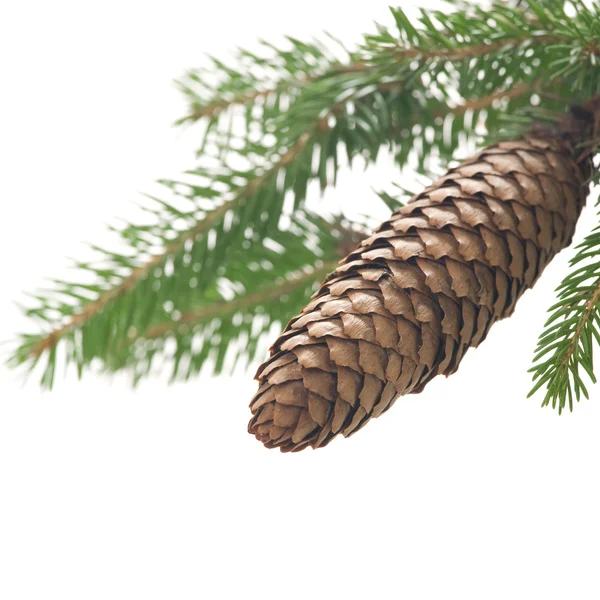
409	302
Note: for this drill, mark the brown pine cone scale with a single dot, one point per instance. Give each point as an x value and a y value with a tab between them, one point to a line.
412	298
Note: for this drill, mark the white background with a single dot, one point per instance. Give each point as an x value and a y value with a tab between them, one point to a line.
467	491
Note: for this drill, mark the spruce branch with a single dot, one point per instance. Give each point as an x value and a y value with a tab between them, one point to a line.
259	187
215	107
511	93
90	309
241	303
250	297
275	121
566	346
435	44
236	203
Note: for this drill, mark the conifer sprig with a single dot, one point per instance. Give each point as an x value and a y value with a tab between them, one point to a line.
565	352
278	121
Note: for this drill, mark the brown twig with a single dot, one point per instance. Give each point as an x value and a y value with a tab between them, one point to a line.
92	308
478	103
214	108
589	309
224	308
471	51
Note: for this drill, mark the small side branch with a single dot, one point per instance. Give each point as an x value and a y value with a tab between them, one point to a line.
205	313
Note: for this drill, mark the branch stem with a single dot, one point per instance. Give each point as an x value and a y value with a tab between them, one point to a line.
216	107
465	52
211	311
590	306
92	308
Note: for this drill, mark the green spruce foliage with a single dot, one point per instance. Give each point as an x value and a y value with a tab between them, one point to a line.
233	249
